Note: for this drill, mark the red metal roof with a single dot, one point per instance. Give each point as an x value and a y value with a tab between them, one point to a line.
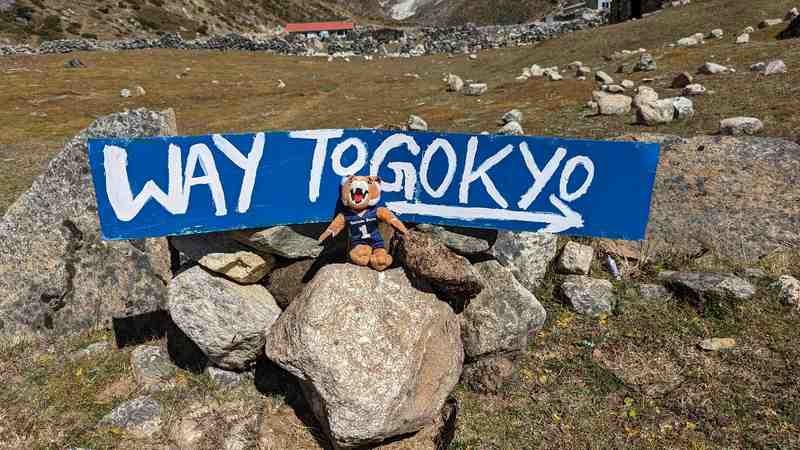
318	26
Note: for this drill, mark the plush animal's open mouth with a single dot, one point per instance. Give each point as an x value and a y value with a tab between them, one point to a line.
357	195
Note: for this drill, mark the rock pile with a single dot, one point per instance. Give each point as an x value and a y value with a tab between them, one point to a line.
376	354
362	41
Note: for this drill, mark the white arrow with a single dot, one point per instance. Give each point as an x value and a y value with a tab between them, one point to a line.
556	223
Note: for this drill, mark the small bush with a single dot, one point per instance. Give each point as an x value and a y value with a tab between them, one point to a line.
74	28
88	35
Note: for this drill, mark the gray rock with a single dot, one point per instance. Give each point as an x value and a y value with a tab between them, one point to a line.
628	84
552	74
614	88
788	288
655	112
766	23
791	31
376	357
775	67
683	108
703	289
688	42
514	115
432	265
488	375
646	63
226	378
682	80
454	83
645	95
475	89
74	63
463	241
416	123
694	90
758	67
226	320
91	350
536	71
286	283
589	296
791	15
575	259
711	68
528	255
511	129
293	242
612	104
717	33
502	316
737	126
152	369
743	38
603	77
56	273
125	93
654	292
717	344
141	417
744	218
223	255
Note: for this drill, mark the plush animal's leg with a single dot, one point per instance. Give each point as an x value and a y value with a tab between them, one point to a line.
381	260
360	255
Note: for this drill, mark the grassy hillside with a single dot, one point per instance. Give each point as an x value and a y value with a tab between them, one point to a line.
35	20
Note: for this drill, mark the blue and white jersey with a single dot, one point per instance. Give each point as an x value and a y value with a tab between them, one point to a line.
363	227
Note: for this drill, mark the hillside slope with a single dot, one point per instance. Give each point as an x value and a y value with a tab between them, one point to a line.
458	12
38	20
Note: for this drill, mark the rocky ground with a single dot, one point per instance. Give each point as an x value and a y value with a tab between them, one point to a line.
686	340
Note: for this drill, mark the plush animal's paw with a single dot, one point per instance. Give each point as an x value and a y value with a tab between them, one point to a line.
381	260
361	255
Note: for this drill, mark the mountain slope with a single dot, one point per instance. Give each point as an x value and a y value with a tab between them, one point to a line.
458	12
37	20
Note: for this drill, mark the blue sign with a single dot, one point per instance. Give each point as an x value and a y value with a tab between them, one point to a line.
197	184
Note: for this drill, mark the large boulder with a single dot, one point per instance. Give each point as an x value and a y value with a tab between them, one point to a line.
56	273
502	316
791	31
226	320
435	267
527	254
221	254
376	357
745	208
612	104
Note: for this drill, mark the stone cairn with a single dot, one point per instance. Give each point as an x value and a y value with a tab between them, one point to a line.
375	356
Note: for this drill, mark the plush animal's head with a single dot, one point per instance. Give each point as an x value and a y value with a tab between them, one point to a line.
360	193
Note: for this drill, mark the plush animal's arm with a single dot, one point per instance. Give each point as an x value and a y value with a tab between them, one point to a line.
334	228
384	215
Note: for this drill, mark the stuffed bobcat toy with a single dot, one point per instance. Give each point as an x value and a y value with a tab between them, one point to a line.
361	215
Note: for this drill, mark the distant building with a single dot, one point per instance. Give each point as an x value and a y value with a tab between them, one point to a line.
622	10
599	5
320	29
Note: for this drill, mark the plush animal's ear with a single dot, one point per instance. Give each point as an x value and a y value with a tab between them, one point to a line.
375	179
346	179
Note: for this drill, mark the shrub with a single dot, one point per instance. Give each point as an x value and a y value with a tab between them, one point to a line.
74	28
88	35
